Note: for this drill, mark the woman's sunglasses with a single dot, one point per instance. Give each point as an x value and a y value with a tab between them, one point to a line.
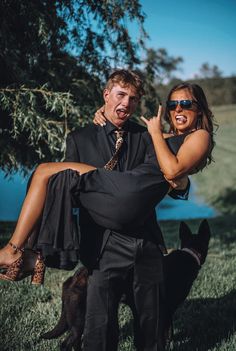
184	104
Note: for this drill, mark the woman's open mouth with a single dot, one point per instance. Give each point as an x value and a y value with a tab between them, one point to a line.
180	119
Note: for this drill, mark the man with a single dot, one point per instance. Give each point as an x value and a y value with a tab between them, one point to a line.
119	260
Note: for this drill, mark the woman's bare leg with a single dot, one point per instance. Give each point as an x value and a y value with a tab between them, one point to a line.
33	205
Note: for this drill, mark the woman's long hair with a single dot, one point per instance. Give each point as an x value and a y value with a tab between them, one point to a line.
205	118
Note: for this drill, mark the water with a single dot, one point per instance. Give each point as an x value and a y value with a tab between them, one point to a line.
12	193
193	208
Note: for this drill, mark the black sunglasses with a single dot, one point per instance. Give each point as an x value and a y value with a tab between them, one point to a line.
184	104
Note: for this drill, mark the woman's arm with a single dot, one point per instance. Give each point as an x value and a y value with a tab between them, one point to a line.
193	151
99	118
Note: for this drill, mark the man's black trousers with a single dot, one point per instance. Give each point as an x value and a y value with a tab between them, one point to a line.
129	265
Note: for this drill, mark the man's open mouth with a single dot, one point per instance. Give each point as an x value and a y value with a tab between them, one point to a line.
121	112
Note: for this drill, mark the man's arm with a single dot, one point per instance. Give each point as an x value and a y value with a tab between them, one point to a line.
180	188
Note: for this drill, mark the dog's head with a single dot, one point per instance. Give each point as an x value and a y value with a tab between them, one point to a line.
198	243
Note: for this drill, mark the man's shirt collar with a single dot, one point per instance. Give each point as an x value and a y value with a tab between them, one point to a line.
110	128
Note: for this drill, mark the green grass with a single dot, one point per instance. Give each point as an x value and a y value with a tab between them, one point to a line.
217	184
207	319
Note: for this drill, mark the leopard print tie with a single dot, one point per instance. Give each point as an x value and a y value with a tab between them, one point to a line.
110	165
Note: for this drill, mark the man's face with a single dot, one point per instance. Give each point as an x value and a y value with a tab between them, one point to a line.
120	103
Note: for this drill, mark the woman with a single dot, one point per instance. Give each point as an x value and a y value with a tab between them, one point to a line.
185	150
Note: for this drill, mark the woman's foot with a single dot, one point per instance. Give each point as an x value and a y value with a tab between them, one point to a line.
19	264
9	254
11	260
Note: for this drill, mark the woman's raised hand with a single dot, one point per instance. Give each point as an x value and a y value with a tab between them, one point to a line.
154	124
99	118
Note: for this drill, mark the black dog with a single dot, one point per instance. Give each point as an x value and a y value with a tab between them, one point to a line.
181	268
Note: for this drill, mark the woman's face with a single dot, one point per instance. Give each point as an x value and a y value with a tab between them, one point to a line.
184	119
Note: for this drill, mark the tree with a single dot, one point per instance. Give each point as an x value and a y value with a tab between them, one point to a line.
207	71
158	68
54	57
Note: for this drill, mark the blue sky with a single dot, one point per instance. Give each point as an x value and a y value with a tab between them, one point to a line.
199	31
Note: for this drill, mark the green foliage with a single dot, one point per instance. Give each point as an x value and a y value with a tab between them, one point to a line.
55	56
207	71
158	67
219	91
39	119
36	34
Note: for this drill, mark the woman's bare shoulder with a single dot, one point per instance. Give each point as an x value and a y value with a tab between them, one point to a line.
197	134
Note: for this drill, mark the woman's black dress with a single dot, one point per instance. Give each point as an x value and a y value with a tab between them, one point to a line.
119	201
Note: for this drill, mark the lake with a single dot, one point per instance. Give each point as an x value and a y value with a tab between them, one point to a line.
12	192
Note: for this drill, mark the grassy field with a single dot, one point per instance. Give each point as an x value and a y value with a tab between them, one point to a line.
217	184
206	321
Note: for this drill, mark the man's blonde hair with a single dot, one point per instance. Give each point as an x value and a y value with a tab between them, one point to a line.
126	78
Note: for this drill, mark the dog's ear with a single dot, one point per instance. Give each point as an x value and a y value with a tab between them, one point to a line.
204	230
184	231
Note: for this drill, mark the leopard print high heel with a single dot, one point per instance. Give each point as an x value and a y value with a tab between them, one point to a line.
37	277
18	269
13	270
34	266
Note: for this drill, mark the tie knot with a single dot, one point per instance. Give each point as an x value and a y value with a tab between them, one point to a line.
119	133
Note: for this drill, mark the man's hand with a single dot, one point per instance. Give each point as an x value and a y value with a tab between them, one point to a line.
180	184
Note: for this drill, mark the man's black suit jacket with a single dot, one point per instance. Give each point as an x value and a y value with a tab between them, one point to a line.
90	145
